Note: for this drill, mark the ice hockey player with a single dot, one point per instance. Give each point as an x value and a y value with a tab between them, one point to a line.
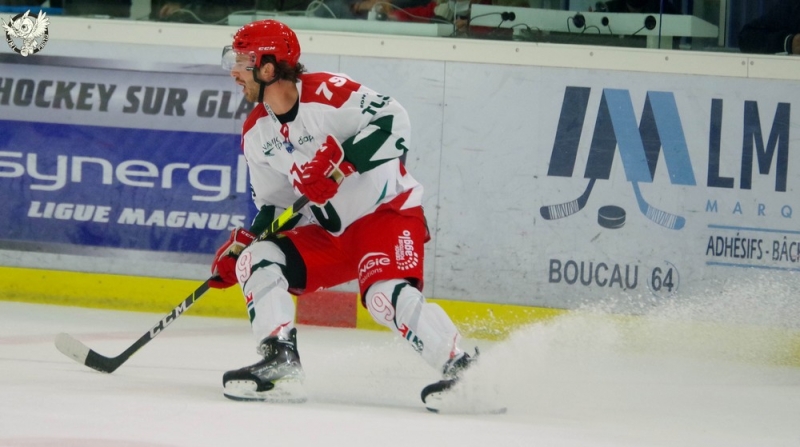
370	226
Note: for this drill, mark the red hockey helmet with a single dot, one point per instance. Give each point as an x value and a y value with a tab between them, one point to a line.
262	38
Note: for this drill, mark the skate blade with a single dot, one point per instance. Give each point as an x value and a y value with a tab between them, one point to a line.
289	390
453	403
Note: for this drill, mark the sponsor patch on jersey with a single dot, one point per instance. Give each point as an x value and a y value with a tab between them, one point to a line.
287	144
305	139
270	146
405	255
371	264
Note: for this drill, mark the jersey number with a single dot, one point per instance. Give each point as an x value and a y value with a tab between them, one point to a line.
323	89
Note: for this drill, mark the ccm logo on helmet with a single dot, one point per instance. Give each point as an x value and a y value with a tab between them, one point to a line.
371	264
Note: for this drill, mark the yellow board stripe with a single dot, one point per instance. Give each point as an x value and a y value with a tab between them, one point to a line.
108	291
475	320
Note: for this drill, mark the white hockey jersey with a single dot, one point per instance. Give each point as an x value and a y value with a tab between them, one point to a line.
374	131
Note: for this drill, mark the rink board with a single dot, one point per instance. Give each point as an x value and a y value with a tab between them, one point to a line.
101	156
546	186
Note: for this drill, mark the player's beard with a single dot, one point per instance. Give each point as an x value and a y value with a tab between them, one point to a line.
250	91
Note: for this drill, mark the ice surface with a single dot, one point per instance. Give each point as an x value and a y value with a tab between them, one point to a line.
574	382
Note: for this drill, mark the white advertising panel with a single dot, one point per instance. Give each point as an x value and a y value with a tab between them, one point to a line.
565	186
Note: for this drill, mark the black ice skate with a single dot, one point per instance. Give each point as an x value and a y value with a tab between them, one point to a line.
447	396
435	393
277	378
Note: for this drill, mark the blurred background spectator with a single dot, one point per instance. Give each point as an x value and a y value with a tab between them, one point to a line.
637	6
777	31
199	11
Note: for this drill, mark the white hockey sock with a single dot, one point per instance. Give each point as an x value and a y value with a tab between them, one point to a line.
269	303
402	308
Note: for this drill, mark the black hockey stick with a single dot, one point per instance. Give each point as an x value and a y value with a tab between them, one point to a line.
74	349
560	210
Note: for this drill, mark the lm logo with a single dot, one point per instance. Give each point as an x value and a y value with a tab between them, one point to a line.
640	144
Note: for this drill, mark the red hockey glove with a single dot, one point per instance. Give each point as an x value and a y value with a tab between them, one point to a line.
315	179
223	269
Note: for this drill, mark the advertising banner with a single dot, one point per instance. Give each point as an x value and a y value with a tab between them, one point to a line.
114	155
606	185
544	186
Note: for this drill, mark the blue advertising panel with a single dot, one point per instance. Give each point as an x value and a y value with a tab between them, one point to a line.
111	156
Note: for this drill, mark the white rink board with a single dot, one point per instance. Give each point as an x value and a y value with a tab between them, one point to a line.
482	140
495	177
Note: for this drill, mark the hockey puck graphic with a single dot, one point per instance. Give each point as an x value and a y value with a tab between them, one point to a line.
611	216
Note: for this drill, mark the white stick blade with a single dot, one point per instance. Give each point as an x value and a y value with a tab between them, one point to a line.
72	348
